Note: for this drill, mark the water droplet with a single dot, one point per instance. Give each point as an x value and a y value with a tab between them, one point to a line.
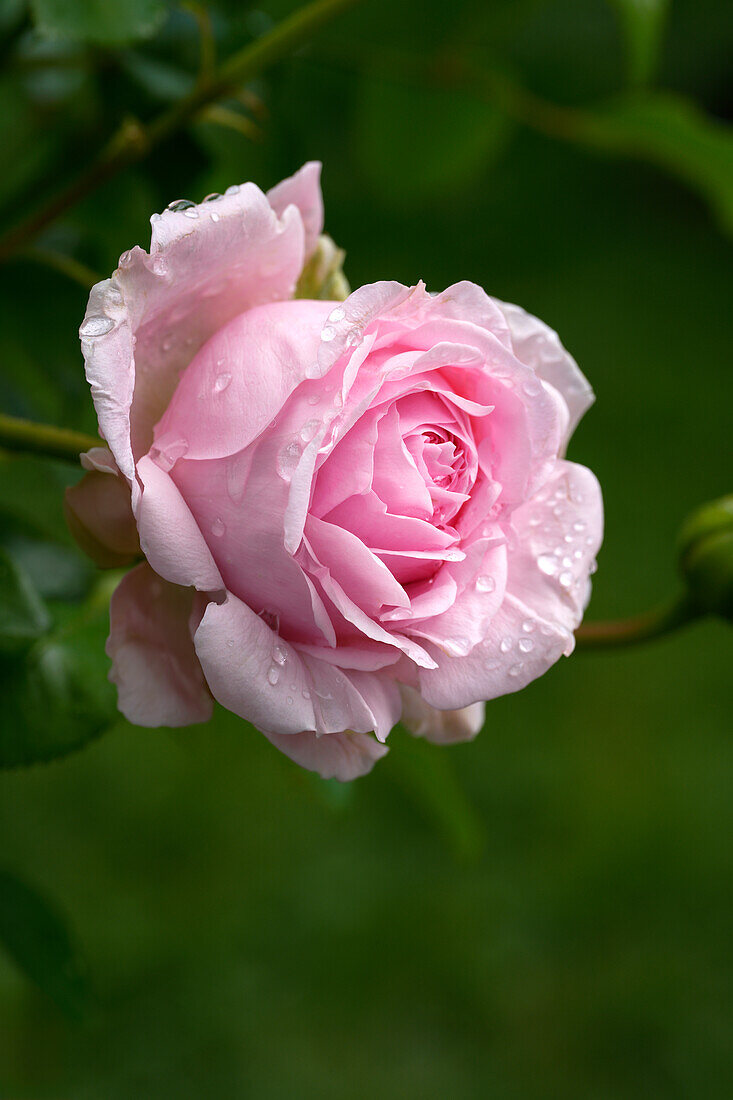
214	216
337	315
526	645
183	206
166	457
353	337
305	693
593	567
535	521
492	665
232	190
289	700
485	583
566	579
218	527
288	459
273	675
96	325
279	654
230	643
547	564
222	382
327	334
125	259
309	429
313	399
579	525
515	670
212	197
505	644
528	626
578	554
568	538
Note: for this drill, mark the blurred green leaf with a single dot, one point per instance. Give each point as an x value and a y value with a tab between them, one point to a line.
57	572
643	25
425	771
673	133
37	938
418	142
32	494
104	22
23	618
58	698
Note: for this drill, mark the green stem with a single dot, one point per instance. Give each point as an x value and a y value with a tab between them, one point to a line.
134	139
44	439
618	633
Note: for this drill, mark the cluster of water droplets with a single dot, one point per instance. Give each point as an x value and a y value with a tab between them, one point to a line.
562	560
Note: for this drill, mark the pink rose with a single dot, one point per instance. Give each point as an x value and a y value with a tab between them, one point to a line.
342	504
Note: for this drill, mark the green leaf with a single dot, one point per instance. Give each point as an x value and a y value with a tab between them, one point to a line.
104	22
643	24
417	143
37	938
674	134
57	698
23	617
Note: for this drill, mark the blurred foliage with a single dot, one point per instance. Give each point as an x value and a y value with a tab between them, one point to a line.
38	941
542	913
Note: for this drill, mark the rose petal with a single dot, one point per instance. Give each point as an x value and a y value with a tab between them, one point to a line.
159	680
442	727
304	191
343	756
537	345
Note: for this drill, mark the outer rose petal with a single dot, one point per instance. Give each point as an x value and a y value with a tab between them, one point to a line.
169	536
537	345
143	326
99	514
442	727
342	756
304	191
159	680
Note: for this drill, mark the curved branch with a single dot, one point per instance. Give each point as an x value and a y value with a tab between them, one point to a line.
134	139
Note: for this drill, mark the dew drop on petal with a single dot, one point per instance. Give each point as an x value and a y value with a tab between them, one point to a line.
579	525
528	626
485	583
273	675
505	644
547	564
515	670
526	645
288	459
566	579
309	429
222	382
337	315
96	325
279	654
218	527
327	334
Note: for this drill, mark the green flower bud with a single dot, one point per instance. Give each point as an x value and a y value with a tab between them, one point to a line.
706	557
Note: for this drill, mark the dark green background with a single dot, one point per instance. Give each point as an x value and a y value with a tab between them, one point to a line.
544	913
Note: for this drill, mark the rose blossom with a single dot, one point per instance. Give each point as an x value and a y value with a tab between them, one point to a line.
344	507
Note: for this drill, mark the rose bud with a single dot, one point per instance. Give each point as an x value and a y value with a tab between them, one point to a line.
706	557
337	501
